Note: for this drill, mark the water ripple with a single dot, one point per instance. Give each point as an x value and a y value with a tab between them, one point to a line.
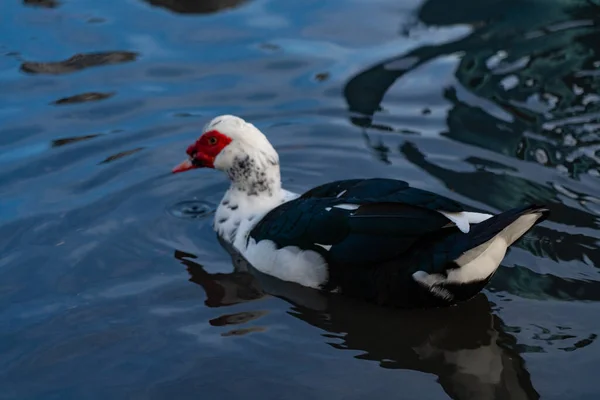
109	262
78	62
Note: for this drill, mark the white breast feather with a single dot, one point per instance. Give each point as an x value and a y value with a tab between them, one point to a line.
292	264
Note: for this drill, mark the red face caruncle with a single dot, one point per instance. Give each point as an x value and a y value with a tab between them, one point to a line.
203	152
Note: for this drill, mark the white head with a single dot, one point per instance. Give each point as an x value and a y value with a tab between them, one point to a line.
230	144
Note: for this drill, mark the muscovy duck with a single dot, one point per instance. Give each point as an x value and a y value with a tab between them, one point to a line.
377	239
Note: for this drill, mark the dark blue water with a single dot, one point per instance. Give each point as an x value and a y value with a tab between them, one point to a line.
113	286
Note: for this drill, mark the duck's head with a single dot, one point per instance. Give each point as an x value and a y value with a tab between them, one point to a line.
230	144
227	141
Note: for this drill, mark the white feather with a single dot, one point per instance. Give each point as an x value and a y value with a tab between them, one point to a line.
463	219
475	218
292	264
350	207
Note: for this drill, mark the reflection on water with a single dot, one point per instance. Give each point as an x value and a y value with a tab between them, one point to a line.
195	6
78	62
529	82
464	346
42	3
492	103
83	97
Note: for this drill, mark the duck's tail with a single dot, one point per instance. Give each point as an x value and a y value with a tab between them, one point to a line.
477	254
489	240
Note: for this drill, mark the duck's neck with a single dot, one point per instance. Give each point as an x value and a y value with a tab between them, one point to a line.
255	190
255	177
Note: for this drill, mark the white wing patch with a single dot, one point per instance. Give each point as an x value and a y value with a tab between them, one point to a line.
475	218
325	246
290	263
462	220
340	194
350	207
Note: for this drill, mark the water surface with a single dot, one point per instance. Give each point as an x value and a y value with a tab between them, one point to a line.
113	283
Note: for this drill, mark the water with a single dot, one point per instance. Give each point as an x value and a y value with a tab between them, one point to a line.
113	283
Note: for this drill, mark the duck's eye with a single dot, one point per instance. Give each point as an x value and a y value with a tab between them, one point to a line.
212	140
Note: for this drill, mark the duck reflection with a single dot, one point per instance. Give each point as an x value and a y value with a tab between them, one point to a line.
464	346
196	6
42	3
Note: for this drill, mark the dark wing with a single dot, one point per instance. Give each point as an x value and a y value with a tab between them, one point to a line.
390	217
381	190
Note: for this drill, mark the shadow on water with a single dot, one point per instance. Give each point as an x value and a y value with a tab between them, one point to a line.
195	6
465	347
42	3
78	62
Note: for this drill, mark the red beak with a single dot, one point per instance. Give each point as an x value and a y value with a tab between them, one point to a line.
184	166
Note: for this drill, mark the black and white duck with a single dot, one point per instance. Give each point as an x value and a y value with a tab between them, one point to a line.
377	239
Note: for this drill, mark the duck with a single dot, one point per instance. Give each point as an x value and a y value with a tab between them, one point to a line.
377	239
